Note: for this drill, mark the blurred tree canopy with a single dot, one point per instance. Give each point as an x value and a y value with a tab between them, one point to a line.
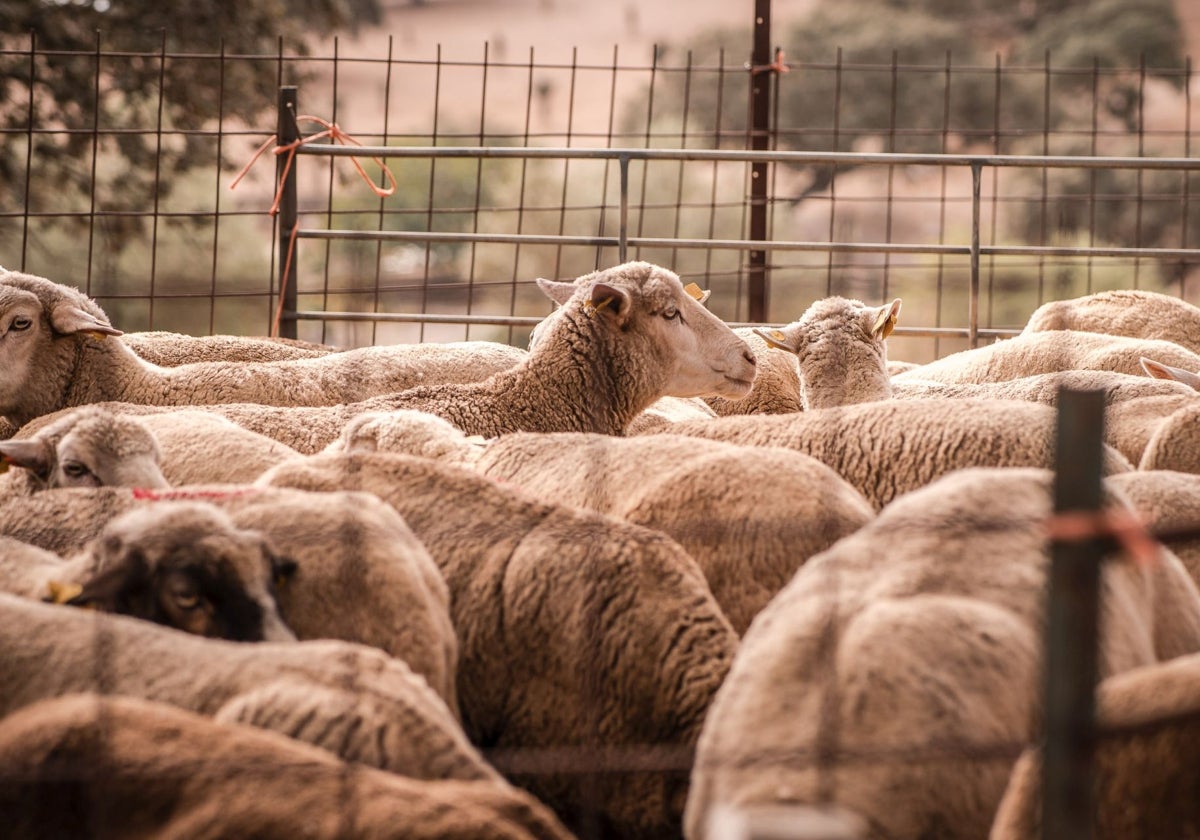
921	76
98	64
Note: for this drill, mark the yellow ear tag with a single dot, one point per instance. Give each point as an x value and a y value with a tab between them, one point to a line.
778	336
99	336
694	291
601	304
60	593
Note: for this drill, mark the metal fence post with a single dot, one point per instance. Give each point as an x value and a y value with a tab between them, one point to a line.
287	131
1072	623
760	126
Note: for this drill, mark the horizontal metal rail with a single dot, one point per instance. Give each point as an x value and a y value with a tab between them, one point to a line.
530	321
975	251
736	155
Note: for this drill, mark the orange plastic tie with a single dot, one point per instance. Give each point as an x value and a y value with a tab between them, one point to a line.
1127	528
333	132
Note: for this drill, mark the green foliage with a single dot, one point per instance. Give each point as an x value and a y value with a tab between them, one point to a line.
142	81
1110	34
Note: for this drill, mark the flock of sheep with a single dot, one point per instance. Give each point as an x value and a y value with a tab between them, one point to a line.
651	573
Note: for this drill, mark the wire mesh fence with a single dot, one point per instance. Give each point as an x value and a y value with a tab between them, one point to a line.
1058	181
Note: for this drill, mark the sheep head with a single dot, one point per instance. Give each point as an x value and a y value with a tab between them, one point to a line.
186	565
659	328
41	324
840	345
88	447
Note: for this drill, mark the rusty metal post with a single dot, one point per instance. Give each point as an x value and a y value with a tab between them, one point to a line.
760	128
1072	623
287	131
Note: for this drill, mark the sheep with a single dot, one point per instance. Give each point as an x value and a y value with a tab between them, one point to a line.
1146	773
1168	501
840	346
1175	442
86	447
1135	405
54	359
579	635
776	388
898	674
184	565
622	338
352	569
890	447
355	701
87	765
667	410
193	445
1135	313
1046	352
721	502
618	342
168	349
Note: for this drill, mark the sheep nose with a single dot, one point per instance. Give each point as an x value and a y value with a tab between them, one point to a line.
749	356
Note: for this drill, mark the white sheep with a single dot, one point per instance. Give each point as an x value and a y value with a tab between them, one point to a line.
1045	352
195	445
172	773
1175	442
54	358
890	447
85	447
667	410
355	701
351	568
897	672
168	349
621	339
749	516
1147	737
1134	405
1160	371
1136	313
839	343
578	633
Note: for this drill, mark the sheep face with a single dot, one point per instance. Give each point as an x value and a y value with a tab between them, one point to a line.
840	346
666	326
185	565
90	447
36	315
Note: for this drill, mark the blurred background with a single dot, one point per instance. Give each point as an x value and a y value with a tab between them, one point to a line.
125	122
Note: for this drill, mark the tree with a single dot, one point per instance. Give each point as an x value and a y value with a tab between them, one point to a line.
70	66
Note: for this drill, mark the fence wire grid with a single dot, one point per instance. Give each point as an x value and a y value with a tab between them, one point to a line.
507	169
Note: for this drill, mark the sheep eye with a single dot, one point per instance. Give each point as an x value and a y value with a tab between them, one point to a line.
21	323
672	314
186	600
74	469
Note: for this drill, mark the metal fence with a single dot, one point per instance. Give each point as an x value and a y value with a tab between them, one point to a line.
507	169
510	169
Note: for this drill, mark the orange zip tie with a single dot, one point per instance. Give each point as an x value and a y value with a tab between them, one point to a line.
1126	527
334	132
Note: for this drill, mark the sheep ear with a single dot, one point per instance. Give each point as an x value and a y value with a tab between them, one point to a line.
123	586
778	339
557	291
885	321
1160	371
68	318
32	455
606	298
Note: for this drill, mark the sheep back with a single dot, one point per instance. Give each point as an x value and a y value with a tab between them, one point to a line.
137	766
